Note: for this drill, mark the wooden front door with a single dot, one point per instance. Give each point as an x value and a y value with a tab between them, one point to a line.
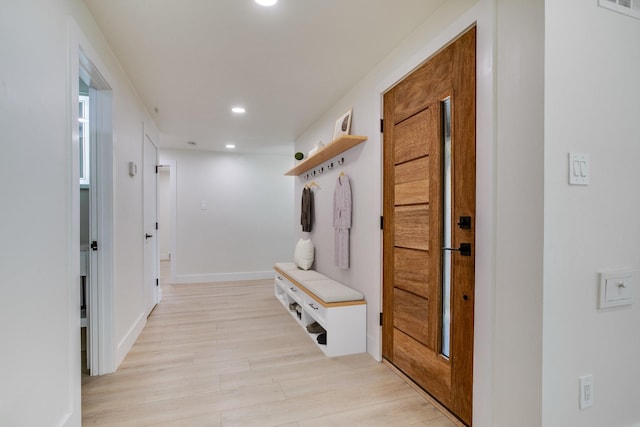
429	232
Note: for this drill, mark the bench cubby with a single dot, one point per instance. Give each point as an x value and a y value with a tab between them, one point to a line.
344	321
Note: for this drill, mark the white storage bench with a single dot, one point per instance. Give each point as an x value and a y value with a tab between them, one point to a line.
340	310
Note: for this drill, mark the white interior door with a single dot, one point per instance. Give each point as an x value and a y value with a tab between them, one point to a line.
150	209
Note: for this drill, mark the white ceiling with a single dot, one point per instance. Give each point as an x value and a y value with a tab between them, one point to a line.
192	60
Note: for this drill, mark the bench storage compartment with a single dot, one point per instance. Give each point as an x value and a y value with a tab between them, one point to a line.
340	310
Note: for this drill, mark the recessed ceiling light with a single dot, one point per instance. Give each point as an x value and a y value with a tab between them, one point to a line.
230	146
266	2
238	110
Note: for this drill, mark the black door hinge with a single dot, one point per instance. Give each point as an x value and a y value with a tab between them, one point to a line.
157	282
157	166
381	318
156	225
381	222
94	245
381	126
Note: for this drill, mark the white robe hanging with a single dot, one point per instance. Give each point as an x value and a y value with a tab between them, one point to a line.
342	220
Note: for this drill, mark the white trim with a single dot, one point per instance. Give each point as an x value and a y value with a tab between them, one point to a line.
68	420
104	185
126	343
486	160
156	291
222	277
73	414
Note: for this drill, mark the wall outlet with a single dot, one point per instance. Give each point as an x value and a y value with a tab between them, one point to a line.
586	391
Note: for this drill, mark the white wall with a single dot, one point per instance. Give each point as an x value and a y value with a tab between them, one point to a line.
592	64
39	295
247	226
519	213
35	230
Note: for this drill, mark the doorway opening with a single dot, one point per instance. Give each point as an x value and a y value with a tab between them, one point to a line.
167	212
91	107
150	169
429	233
164	218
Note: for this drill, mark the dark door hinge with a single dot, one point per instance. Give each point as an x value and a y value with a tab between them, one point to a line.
381	222
157	282
381	126
156	225
381	319
94	245
157	166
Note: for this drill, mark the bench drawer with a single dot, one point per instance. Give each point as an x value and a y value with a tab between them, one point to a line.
316	310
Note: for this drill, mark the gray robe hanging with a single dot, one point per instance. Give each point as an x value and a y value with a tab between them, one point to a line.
342	220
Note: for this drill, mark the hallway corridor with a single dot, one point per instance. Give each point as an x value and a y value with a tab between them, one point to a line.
227	354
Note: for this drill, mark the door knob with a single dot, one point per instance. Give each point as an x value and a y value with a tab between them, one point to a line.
148	236
464	249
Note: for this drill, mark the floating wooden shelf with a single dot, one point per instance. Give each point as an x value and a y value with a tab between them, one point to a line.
338	146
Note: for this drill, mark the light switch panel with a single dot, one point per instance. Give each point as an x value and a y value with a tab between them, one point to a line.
616	288
579	169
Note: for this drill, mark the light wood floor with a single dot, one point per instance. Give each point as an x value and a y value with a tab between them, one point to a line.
229	354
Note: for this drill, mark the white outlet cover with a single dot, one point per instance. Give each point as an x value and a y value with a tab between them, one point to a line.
586	391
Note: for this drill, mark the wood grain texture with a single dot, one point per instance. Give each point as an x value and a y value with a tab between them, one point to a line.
334	148
412	269
227	354
388	233
412	227
424	86
412	315
412	182
414	136
463	269
428	369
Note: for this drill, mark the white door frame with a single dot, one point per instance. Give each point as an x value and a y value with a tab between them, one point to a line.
83	61
150	278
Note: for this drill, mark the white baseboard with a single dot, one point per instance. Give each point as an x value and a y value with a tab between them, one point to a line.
222	277
125	344
69	420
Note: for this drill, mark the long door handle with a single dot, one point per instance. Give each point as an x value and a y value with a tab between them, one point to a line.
464	249
148	236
